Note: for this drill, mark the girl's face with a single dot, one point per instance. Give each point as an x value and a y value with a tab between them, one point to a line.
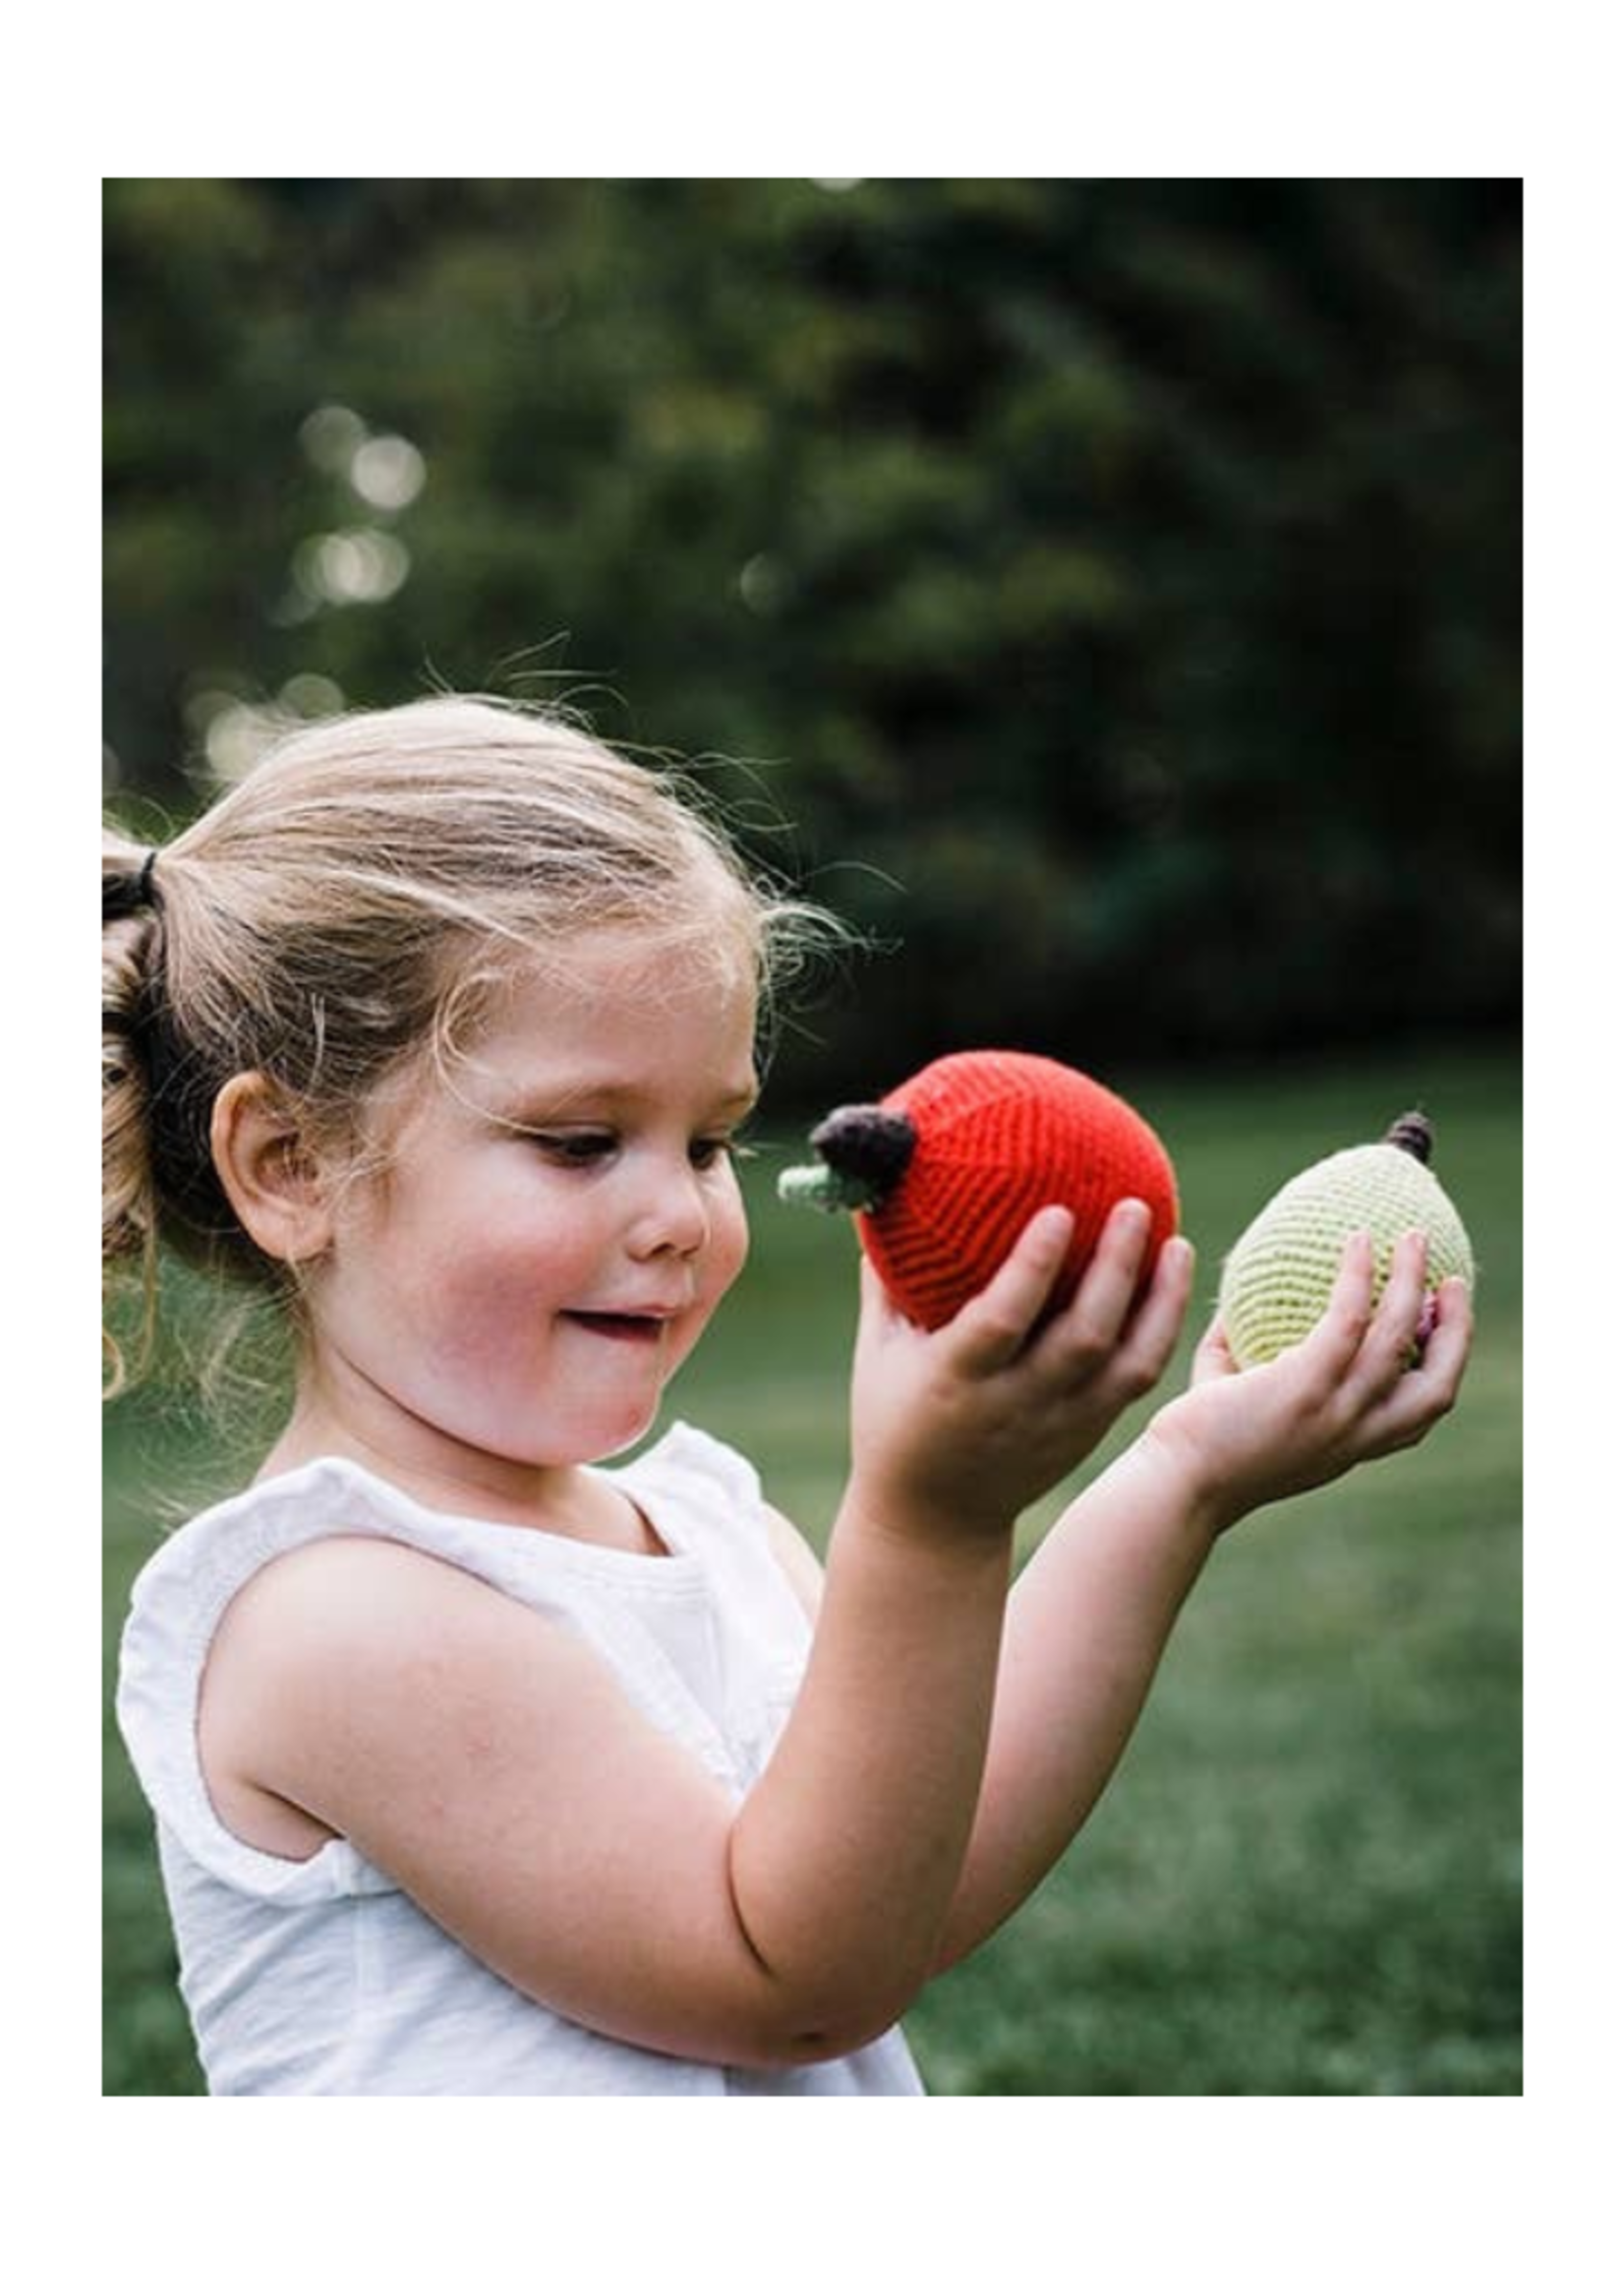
554	1229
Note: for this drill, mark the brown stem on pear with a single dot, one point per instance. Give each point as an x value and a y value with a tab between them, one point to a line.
1412	1132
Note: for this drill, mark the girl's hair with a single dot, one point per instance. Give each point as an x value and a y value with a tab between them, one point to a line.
346	910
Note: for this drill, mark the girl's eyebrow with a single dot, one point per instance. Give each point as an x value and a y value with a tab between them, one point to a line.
582	1097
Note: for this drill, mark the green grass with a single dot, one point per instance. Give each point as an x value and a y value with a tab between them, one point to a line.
1307	1876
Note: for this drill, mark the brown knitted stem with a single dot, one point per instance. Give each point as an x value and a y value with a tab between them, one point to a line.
867	1146
1412	1132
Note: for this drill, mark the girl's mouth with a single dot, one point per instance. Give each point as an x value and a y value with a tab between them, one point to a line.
619	1325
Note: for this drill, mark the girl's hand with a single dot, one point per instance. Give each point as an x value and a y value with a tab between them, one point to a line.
1345	1394
961	1429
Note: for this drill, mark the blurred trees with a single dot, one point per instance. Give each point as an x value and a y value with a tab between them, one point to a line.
1115	584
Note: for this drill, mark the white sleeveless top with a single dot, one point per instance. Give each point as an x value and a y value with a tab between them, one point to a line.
323	1977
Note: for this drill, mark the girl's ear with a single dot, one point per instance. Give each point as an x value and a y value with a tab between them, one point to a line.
269	1174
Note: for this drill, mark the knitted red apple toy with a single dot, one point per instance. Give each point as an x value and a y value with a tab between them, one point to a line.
946	1171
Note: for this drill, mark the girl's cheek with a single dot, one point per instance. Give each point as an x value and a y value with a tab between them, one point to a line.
730	1243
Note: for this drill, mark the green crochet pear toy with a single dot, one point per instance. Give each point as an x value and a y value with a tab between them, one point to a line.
1278	1277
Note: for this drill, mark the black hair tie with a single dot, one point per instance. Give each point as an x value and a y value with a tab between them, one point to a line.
127	896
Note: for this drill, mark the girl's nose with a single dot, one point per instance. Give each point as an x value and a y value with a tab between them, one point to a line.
673	1217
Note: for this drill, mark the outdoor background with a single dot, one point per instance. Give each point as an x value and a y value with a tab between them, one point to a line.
1106	594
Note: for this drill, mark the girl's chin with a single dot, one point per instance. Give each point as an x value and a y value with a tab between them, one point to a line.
577	1444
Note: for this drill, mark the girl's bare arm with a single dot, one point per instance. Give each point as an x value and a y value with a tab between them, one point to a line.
492	1766
1092	1613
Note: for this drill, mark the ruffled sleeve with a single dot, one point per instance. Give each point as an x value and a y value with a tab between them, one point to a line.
704	1471
176	1606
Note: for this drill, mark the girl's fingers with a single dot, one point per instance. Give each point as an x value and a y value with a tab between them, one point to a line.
1213	1358
1389	1346
992	1327
1331	1348
1093	1321
1451	1336
1154	1328
1443	1362
1428	1391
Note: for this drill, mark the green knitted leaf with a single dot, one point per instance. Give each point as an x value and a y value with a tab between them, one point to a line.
826	1188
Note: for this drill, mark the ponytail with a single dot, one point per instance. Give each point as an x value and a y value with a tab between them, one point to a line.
129	1203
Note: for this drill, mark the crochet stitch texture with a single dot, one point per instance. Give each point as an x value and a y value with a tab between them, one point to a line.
1278	1277
1000	1134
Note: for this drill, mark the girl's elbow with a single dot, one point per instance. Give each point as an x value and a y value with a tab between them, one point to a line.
802	2045
839	2023
786	2025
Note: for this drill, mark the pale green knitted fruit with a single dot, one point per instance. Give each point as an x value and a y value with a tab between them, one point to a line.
1278	1277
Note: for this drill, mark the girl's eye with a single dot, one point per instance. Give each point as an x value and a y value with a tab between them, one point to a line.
706	1152
577	1149
585	1147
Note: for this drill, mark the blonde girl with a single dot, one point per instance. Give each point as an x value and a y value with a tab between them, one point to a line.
481	1767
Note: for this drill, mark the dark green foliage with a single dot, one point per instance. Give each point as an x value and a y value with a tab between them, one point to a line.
1116	584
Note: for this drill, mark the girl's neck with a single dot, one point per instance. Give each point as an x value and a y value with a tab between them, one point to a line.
461	1480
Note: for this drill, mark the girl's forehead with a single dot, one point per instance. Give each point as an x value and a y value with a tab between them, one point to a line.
622	999
628	976
616	1016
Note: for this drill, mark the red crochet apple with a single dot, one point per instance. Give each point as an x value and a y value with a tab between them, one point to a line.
946	1171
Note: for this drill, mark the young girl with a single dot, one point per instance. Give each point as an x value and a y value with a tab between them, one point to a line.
482	1767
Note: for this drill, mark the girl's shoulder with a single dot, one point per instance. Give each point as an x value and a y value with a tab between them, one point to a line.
196	1570
167	1654
210	1555
702	1497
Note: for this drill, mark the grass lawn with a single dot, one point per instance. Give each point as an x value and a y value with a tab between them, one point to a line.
1307	1876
